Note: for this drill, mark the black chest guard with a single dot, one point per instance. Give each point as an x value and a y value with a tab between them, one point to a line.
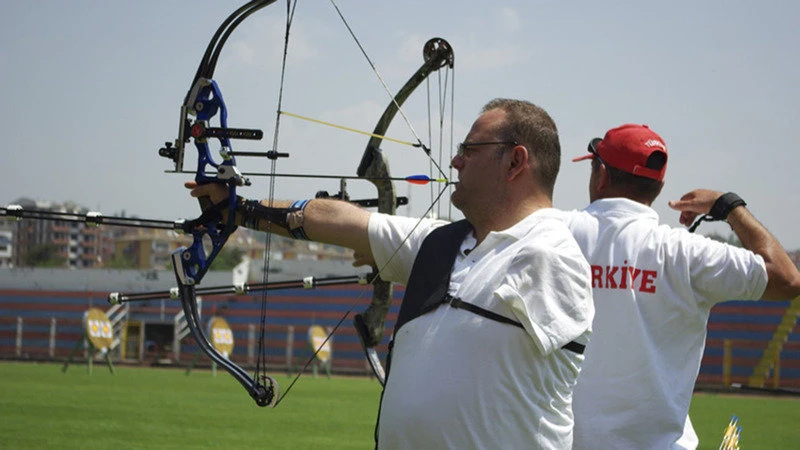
430	278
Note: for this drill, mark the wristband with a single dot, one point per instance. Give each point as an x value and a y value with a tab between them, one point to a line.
296	218
720	210
250	213
249	218
724	205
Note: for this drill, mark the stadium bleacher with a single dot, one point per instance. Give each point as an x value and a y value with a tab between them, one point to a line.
748	327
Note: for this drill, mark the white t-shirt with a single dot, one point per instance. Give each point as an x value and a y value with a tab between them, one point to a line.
654	287
460	380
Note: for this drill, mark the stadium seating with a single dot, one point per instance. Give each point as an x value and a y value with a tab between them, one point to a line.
51	325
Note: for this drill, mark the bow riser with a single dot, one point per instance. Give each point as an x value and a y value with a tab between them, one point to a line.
206	106
207	103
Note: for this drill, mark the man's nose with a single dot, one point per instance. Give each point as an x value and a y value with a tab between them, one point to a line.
457	162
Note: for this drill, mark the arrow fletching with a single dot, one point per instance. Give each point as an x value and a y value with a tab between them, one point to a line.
423	179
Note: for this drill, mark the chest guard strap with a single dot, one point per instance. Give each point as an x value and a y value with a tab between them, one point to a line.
430	274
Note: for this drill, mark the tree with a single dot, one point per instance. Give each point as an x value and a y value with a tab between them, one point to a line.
227	259
122	260
43	255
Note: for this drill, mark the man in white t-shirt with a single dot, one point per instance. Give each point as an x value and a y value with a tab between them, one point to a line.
497	311
653	289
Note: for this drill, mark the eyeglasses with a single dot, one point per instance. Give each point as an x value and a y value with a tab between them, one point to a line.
593	150
463	148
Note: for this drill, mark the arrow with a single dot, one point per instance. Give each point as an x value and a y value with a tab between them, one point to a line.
413	179
354	130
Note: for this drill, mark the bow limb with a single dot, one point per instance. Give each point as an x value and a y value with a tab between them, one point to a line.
374	166
265	390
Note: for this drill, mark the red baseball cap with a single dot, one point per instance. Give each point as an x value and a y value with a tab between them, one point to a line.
627	148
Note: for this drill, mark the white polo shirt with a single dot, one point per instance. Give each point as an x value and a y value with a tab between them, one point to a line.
654	287
460	380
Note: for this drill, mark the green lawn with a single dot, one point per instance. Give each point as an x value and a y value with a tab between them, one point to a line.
162	408
767	422
43	408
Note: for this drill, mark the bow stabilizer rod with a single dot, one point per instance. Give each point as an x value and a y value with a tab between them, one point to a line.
309	282
91	218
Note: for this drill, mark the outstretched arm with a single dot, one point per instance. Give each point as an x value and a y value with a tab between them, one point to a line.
783	278
328	221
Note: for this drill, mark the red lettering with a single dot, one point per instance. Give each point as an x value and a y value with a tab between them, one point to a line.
627	278
623	279
611	283
648	277
634	274
597	277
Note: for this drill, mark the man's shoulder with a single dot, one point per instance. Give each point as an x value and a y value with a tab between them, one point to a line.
549	236
459	227
419	226
549	222
578	217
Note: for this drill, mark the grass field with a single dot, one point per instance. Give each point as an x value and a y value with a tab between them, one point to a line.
767	422
137	407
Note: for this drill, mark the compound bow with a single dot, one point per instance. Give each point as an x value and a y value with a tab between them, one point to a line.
204	101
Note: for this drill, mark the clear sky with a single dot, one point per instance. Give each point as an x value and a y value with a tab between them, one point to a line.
92	88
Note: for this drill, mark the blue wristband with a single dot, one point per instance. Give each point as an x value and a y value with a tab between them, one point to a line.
299	232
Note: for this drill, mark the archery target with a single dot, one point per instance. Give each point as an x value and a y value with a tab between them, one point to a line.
221	335
316	337
98	329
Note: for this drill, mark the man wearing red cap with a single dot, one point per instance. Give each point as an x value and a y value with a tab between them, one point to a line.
653	289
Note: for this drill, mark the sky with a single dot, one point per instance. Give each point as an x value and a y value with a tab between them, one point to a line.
91	89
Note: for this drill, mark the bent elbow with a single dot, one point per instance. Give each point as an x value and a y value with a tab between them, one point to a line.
783	286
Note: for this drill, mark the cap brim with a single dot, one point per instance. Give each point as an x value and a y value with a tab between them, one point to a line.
592	147
584	157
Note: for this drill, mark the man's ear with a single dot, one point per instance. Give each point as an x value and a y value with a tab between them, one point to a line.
603	178
519	161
